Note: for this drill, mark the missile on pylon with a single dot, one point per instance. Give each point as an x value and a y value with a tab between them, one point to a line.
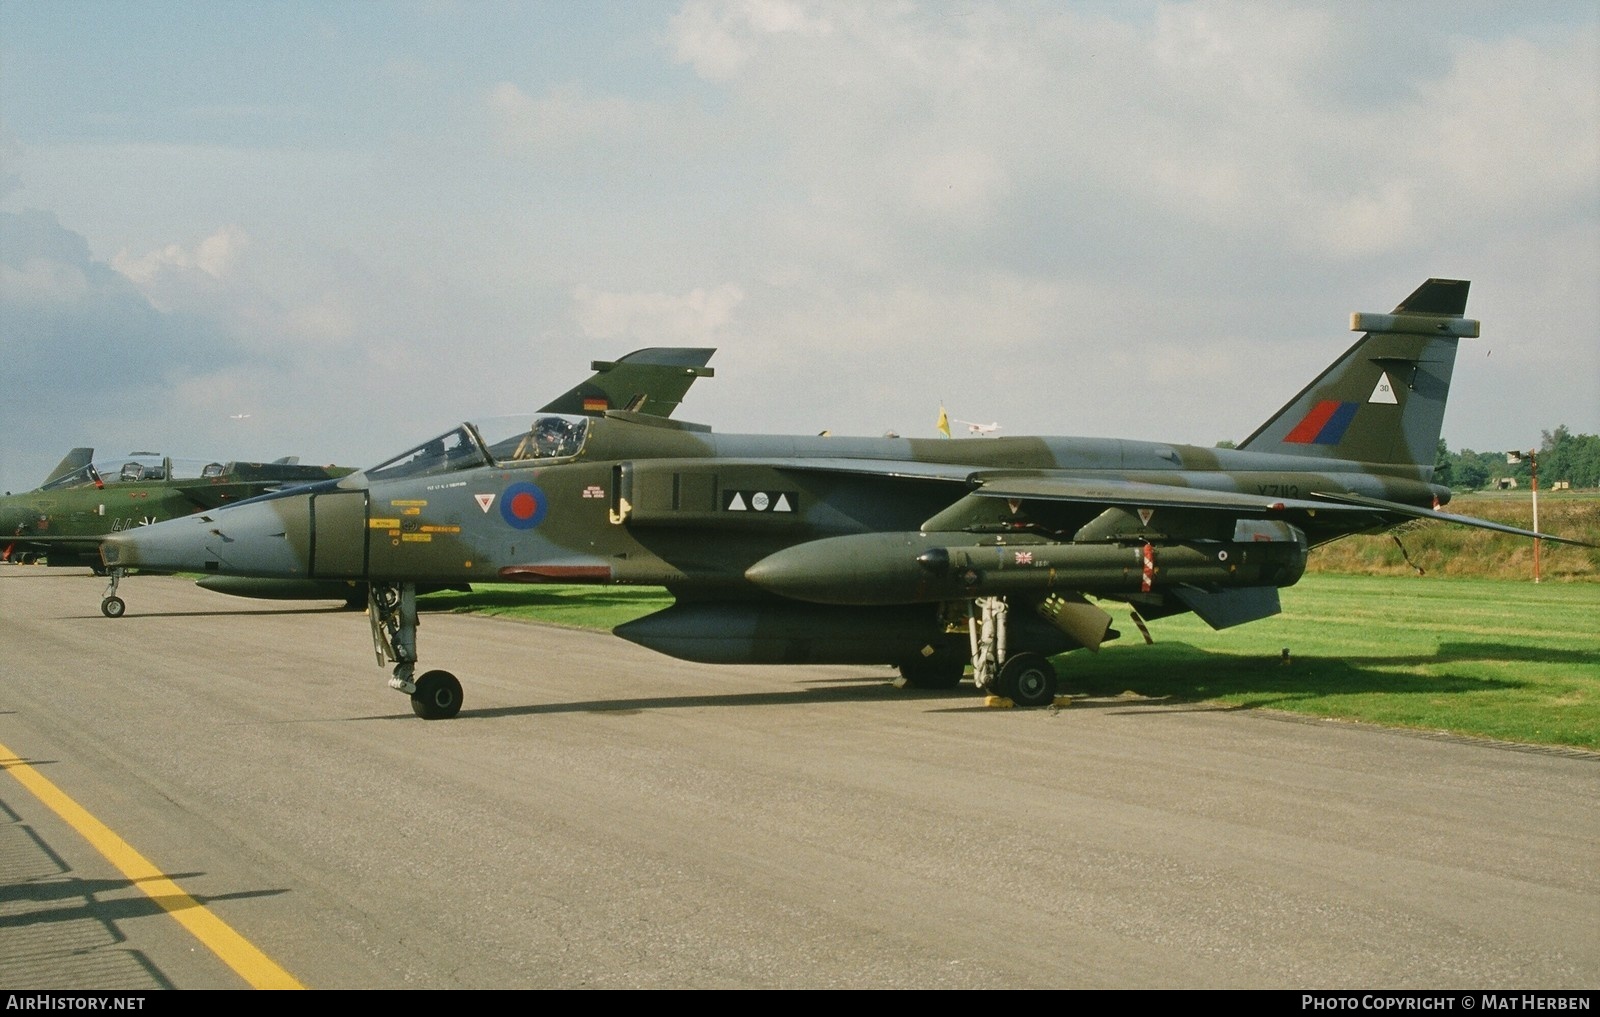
909	568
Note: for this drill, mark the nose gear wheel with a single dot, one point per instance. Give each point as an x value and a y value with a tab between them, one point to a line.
392	613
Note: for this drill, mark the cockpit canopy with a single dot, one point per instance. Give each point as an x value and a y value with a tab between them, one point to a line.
130	469
498	441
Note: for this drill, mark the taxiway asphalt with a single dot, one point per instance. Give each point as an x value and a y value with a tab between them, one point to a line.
600	816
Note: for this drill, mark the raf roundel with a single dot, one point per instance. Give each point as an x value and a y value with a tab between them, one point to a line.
523	505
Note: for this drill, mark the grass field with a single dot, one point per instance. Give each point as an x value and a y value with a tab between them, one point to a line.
1510	660
1513	661
1439	549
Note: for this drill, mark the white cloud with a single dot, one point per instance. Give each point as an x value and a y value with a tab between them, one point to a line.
1512	126
1092	216
215	255
665	319
719	39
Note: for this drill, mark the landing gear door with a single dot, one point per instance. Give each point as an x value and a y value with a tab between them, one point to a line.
339	535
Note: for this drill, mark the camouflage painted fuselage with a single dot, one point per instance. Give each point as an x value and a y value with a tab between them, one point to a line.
799	535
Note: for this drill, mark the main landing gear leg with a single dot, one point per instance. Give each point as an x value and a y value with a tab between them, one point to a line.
1027	679
986	631
111	605
392	611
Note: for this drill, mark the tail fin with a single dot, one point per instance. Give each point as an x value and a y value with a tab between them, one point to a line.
1382	402
652	381
72	462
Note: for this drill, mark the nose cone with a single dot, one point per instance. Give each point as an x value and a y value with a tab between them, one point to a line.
256	538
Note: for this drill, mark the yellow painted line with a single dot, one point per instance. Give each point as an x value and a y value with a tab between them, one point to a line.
231	948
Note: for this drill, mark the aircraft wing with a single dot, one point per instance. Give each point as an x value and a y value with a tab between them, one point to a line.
897	468
1445	517
66	551
1109	492
45	542
1112	492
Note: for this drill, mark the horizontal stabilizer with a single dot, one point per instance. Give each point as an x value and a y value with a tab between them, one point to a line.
1445	517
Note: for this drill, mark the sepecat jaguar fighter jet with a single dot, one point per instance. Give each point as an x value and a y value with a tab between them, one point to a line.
995	553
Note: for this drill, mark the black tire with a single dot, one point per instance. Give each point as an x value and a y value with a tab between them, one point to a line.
1028	679
113	607
438	696
933	672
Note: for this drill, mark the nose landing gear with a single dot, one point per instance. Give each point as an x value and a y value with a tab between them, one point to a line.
392	611
111	605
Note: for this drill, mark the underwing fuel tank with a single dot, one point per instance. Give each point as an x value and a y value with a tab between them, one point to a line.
909	568
783	632
286	589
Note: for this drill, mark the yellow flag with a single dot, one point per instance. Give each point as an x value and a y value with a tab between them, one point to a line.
944	422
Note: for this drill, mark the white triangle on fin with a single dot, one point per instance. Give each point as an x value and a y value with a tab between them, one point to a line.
782	504
737	504
1384	391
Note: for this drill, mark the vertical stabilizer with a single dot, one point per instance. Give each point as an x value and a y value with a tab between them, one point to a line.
651	381
1383	401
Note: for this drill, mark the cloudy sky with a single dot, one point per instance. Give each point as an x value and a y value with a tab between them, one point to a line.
361	221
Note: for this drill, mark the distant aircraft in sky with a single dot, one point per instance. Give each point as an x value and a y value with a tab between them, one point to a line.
988	428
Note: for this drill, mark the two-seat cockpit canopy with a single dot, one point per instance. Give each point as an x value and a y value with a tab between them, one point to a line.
148	467
133	468
498	441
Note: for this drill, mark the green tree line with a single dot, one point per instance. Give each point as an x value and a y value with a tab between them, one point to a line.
1561	456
